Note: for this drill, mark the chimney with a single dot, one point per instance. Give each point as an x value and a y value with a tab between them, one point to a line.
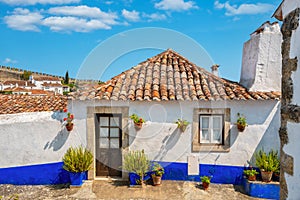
261	64
214	70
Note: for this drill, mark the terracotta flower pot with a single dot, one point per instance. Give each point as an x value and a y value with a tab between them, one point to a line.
69	126
138	125
156	180
266	176
241	127
205	185
183	128
252	178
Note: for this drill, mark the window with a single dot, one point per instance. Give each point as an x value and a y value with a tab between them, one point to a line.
211	130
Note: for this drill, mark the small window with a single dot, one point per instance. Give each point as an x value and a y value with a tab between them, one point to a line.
211	129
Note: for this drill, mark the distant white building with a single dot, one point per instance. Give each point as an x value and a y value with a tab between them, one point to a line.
48	83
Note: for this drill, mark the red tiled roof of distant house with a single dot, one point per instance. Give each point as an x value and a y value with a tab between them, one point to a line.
52	85
41	92
11	104
169	76
20	83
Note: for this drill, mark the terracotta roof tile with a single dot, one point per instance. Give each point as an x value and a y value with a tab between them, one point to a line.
170	76
46	78
11	104
20	83
52	85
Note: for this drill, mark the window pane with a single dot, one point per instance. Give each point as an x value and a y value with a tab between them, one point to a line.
104	143
217	122
114	143
205	122
103	132
114	121
114	132
104	121
205	136
217	135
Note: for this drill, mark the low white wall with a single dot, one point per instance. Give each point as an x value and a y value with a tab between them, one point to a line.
161	140
35	138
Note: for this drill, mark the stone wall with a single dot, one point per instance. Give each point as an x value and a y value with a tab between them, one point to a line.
290	111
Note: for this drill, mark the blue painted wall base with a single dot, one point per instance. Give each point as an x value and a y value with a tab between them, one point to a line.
44	174
262	190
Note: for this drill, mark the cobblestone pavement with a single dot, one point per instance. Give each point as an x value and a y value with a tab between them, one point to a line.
114	190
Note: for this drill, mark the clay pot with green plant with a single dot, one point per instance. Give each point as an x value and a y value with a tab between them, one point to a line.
182	124
241	122
157	172
251	174
138	121
267	163
205	182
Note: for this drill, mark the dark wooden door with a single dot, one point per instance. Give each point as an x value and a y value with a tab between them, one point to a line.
108	145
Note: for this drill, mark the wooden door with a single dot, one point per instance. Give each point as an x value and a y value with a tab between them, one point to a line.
108	145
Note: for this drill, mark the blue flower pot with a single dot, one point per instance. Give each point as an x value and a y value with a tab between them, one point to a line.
77	178
134	178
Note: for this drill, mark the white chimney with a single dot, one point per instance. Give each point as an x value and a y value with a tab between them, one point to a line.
214	70
261	64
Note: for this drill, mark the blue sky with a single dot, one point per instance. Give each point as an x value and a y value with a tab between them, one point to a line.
53	36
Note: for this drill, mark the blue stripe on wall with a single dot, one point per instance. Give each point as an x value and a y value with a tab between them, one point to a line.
53	173
43	174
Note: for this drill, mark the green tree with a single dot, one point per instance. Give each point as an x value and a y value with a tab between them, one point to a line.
25	76
66	80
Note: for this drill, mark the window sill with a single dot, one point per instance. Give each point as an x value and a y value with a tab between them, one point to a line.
210	148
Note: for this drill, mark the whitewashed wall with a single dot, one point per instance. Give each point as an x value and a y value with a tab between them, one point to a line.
292	148
35	138
161	140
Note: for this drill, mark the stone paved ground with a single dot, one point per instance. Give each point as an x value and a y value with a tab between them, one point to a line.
120	190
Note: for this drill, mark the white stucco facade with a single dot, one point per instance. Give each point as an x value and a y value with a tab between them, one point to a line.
35	138
162	141
261	64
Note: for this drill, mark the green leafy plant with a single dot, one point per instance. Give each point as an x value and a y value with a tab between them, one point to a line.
241	120
77	159
267	162
158	169
250	172
136	162
136	119
205	179
182	124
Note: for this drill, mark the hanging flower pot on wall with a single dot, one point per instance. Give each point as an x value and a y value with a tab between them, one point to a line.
68	120
69	126
138	121
241	122
182	124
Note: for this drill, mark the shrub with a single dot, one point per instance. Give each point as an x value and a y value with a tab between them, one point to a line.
267	162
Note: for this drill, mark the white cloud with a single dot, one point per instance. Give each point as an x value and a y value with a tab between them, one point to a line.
244	9
69	24
85	11
23	20
33	2
175	5
133	16
155	16
9	60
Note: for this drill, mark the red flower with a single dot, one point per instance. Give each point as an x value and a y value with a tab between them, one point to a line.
141	119
72	116
65	110
65	119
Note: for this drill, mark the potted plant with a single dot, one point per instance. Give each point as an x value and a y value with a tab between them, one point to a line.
241	122
136	162
77	161
182	124
251	174
267	163
205	182
157	172
138	121
69	124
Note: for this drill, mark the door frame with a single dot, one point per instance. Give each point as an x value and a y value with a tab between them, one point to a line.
91	122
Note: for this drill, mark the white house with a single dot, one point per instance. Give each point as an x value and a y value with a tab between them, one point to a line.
18	84
168	87
288	12
48	83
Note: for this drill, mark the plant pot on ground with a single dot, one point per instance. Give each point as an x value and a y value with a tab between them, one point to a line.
251	174
137	162
267	163
77	161
205	182
157	172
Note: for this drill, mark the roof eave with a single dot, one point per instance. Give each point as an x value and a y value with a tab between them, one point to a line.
278	12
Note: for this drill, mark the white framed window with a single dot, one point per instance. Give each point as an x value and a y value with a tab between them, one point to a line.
211	129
